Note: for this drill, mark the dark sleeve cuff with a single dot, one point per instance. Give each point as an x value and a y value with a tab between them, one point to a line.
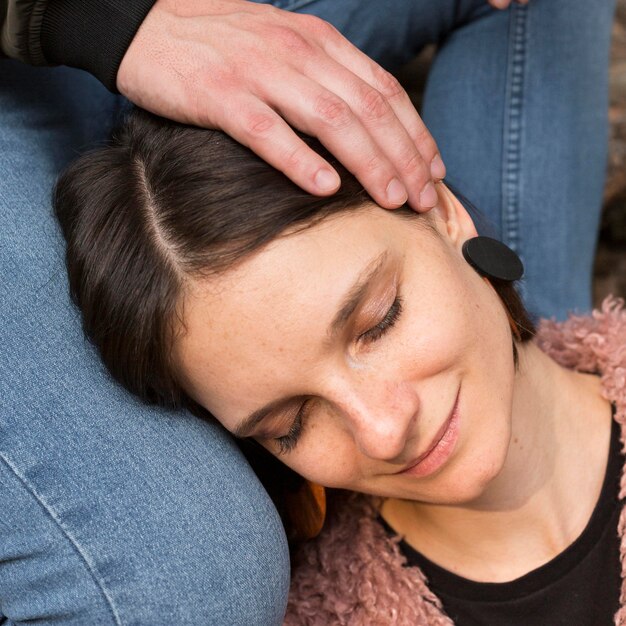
92	35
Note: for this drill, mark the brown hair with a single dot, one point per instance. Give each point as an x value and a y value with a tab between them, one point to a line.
163	202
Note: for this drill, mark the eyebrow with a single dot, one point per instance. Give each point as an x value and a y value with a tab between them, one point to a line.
348	306
357	292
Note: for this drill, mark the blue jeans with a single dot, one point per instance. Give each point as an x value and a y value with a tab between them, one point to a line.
112	512
116	513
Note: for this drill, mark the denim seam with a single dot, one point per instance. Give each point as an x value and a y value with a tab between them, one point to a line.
513	125
73	542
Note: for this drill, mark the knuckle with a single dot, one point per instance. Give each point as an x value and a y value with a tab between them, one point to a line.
294	158
372	164
373	105
387	84
258	124
333	111
422	138
319	26
412	163
292	41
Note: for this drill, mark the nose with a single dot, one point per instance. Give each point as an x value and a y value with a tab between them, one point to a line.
380	414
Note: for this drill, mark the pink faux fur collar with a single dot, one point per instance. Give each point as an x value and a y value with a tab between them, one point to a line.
353	574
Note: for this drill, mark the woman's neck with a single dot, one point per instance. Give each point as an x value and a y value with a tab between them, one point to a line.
545	493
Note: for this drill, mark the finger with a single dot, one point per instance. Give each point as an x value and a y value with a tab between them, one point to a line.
255	125
389	86
411	156
319	112
500	4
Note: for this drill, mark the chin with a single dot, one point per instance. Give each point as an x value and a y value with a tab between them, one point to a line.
475	474
472	488
465	480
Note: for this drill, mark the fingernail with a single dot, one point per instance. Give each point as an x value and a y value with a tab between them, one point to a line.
326	180
437	168
428	197
396	193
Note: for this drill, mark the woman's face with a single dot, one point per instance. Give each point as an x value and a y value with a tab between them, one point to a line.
344	348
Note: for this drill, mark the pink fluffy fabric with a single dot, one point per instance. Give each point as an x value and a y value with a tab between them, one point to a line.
353	573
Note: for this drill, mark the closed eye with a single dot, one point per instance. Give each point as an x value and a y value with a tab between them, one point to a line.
288	442
392	316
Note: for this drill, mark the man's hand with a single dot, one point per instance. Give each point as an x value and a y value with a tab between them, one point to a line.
253	70
504	4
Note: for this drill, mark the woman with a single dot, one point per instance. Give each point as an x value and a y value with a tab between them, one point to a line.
385	353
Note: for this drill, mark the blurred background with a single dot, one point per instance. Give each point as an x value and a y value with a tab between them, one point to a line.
610	266
610	269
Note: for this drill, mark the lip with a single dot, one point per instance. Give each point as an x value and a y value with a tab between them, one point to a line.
441	447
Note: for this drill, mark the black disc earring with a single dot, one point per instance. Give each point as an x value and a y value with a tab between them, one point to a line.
493	259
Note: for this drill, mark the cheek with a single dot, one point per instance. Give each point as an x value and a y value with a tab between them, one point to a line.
488	399
468	333
325	455
476	327
436	333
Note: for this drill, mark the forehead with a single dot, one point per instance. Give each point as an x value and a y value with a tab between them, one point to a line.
260	325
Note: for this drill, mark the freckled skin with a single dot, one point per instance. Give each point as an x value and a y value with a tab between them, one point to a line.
528	462
375	407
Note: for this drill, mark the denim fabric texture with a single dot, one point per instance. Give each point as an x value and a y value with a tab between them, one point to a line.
113	512
116	513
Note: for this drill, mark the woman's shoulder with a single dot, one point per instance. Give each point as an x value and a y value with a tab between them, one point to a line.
591	343
594	343
353	572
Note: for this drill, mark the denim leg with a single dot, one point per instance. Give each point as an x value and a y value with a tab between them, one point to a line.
517	101
113	512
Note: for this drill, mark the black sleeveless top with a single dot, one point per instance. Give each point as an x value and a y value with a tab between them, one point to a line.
580	586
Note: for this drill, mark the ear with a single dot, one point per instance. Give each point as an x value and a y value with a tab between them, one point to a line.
451	218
